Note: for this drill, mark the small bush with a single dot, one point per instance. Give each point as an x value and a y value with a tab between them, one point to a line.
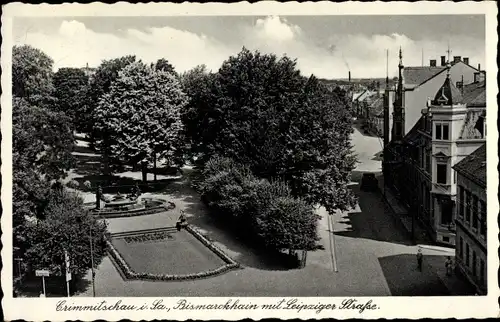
73	184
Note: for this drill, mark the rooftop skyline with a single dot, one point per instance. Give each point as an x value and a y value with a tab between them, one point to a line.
326	46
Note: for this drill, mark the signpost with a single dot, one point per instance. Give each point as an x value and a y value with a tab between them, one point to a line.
43	273
68	273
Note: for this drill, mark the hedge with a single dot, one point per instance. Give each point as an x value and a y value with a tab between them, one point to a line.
264	211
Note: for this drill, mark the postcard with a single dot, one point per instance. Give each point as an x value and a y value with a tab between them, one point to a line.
266	160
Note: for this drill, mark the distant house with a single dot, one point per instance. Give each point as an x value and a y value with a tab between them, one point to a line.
471	223
360	102
376	116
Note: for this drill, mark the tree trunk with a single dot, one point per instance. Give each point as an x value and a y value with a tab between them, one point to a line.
154	165
144	171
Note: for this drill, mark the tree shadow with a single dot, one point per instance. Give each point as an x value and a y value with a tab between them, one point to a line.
405	279
372	218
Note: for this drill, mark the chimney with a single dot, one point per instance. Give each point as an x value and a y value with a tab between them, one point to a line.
349	76
479	67
479	77
443	61
466	60
456	59
433	63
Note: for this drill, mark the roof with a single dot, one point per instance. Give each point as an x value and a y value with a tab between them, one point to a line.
473	127
474	166
415	76
447	94
474	94
377	106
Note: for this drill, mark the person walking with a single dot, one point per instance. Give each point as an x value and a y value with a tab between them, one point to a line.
420	258
449	266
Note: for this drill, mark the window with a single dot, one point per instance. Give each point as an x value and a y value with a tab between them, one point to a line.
474	212
442	170
442	131
446	213
467	206
482	272
438	131
461	248
474	262
428	161
467	260
446	132
482	219
461	202
397	128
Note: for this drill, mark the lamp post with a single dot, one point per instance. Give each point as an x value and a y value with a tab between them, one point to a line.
92	260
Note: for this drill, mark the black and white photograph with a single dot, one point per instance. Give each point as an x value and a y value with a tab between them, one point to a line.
277	156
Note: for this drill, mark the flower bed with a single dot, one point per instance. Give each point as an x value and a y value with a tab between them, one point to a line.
128	272
151	237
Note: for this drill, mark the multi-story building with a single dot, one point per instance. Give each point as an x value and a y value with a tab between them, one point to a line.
471	247
418	83
417	164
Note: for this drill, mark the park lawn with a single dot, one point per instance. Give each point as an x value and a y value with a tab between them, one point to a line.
182	255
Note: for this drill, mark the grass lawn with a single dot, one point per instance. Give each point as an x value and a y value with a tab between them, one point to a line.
182	255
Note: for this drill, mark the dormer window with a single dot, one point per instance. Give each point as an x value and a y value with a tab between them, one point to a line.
442	131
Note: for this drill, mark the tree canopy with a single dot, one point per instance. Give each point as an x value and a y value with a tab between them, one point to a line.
141	114
261	112
32	75
71	92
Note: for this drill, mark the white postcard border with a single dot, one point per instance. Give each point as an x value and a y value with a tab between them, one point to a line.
388	307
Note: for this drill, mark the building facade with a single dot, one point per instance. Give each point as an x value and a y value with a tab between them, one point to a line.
418	162
471	223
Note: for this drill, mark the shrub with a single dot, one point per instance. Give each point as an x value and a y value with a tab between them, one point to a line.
266	212
73	184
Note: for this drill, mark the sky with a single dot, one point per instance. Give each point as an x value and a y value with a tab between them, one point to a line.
326	46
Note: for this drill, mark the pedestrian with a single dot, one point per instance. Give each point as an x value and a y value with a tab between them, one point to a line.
449	266
420	258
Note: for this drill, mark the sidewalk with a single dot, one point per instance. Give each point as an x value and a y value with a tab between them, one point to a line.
401	213
454	284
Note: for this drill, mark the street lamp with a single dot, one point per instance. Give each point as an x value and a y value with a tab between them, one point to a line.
92	260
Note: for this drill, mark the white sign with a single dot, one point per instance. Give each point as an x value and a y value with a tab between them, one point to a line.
68	276
42	272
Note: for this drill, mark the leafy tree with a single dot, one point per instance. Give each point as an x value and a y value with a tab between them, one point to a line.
32	75
71	93
100	84
141	114
197	84
164	65
264	114
67	226
42	140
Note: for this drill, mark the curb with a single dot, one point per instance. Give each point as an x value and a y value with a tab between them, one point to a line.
437	248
